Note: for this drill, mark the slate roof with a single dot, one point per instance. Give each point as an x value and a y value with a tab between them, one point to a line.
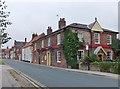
19	43
33	40
88	27
79	25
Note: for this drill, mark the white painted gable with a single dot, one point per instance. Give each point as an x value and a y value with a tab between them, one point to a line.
97	27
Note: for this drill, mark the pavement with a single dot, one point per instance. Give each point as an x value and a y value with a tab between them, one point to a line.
6	80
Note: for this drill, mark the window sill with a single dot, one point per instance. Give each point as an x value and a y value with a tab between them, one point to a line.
58	61
109	43
97	43
58	43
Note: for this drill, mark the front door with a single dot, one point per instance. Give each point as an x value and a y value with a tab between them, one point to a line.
100	57
48	58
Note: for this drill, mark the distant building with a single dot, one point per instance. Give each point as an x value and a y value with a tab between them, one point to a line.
27	50
17	50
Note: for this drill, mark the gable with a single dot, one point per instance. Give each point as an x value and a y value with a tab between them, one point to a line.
99	49
96	27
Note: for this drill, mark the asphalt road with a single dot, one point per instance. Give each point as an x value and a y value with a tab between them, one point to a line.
61	78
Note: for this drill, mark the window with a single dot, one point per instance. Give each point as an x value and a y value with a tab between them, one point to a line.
59	56
109	39
109	55
49	41
80	54
58	39
97	38
80	36
42	43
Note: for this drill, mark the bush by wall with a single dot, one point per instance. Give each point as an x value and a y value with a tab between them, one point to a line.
110	67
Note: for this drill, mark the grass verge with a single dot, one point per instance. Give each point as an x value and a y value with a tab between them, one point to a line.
2	63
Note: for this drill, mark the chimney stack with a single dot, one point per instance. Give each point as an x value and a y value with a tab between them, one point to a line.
14	42
34	35
61	23
25	40
49	30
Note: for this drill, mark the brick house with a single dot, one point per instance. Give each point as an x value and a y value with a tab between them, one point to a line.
17	49
7	53
12	53
27	49
3	53
49	48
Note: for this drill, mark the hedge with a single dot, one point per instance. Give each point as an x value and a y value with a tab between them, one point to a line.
110	67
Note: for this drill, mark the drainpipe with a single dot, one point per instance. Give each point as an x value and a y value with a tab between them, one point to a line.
91	40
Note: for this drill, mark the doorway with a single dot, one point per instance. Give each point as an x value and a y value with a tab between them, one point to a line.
100	57
48	58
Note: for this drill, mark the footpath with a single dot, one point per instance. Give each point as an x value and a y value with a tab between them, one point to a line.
6	80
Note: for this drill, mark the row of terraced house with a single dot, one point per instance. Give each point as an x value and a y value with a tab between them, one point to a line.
48	49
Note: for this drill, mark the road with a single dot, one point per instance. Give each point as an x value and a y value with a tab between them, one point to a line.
61	78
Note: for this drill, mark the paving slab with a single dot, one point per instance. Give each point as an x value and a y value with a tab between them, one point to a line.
7	80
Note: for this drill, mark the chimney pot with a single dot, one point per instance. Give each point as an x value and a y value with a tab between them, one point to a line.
49	30
61	23
25	40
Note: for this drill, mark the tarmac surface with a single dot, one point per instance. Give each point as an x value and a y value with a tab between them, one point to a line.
57	77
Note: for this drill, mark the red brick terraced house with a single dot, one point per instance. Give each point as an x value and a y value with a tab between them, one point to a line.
17	49
7	53
3	53
27	51
49	48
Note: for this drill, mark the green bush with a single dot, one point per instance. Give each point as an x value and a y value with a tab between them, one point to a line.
92	57
104	66
110	67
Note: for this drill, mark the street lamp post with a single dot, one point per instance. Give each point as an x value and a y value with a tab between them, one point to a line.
88	61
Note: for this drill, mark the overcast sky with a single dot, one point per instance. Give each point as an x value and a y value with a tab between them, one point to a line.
34	16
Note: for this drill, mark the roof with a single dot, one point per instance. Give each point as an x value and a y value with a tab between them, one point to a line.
33	40
19	43
79	25
88	27
98	49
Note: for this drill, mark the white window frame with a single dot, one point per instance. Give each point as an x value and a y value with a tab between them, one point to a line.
42	44
82	55
58	57
80	36
49	41
109	41
97	38
111	53
58	39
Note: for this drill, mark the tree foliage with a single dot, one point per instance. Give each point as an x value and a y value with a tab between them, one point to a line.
116	47
71	44
4	23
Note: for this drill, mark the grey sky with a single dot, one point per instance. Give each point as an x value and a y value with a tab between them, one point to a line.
35	16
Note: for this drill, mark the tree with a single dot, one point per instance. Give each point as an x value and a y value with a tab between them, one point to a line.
71	44
4	23
116	47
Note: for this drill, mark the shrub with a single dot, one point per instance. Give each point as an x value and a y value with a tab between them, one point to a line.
110	67
104	66
92	57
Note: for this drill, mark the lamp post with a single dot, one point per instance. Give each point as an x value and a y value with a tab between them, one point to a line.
88	61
